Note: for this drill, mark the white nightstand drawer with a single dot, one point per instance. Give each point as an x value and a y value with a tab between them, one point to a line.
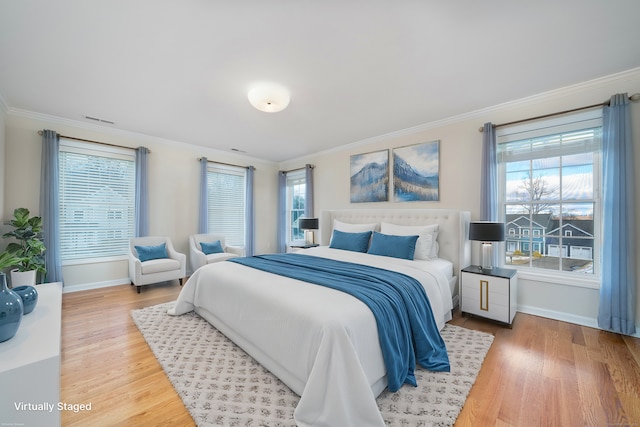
498	285
487	308
484	297
489	293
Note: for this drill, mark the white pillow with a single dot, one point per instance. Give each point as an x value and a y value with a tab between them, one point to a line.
353	228
426	246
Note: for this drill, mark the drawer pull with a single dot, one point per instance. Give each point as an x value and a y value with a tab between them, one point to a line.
484	295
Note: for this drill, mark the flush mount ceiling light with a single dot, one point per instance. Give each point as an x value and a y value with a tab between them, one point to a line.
269	97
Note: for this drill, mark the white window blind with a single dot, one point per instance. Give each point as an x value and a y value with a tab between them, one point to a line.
97	200
575	134
226	199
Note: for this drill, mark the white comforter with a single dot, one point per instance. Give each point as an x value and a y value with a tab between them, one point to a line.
321	342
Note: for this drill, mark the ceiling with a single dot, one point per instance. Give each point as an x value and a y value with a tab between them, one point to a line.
181	70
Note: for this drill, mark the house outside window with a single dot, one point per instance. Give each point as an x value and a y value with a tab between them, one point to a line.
97	201
226	193
296	193
550	191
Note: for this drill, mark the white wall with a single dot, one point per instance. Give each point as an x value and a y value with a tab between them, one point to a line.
460	153
2	162
173	189
174	176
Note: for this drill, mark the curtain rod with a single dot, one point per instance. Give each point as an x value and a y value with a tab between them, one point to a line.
88	140
633	98
297	169
226	164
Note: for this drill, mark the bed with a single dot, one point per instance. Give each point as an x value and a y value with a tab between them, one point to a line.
321	342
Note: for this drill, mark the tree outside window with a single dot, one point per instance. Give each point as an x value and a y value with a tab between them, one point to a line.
550	200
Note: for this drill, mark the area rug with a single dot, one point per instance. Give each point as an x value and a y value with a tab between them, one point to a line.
221	385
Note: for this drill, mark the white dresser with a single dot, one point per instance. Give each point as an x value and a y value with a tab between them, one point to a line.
30	364
490	293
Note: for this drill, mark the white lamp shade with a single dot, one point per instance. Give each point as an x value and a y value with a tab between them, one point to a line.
269	97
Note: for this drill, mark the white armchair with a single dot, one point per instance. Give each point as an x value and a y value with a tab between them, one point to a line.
197	258
158	269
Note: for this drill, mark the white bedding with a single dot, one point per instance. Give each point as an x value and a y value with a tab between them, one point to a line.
321	342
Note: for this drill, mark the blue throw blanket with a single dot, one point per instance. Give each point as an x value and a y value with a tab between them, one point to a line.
399	303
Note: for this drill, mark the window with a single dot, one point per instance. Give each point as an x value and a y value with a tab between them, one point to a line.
226	188
550	190
97	201
296	193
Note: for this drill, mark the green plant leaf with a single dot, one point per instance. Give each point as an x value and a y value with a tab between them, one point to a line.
7	259
28	249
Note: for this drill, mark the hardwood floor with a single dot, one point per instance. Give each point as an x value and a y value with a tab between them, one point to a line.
540	373
549	373
106	362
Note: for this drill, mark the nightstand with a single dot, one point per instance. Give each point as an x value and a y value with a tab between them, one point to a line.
295	246
489	293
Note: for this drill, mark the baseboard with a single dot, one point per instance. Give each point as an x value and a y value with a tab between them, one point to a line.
95	285
565	317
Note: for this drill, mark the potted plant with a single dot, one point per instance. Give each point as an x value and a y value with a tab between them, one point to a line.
28	247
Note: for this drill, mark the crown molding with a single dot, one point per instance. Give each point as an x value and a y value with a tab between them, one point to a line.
621	77
27	114
628	75
138	137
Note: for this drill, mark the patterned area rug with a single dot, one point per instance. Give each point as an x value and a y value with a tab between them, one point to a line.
221	385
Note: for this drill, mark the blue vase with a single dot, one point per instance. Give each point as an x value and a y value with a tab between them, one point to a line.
10	310
29	296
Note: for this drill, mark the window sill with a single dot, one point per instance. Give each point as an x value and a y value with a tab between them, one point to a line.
94	260
559	278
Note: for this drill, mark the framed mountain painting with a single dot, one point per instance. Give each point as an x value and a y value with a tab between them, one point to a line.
370	177
416	172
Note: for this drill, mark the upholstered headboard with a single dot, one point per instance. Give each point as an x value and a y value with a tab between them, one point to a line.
453	236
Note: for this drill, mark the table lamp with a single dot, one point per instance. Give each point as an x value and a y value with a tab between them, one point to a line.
308	224
486	232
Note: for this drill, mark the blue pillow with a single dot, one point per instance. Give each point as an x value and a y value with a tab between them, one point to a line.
357	242
393	246
146	253
211	247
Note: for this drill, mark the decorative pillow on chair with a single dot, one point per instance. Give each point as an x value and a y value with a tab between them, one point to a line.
393	246
211	247
147	253
356	242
